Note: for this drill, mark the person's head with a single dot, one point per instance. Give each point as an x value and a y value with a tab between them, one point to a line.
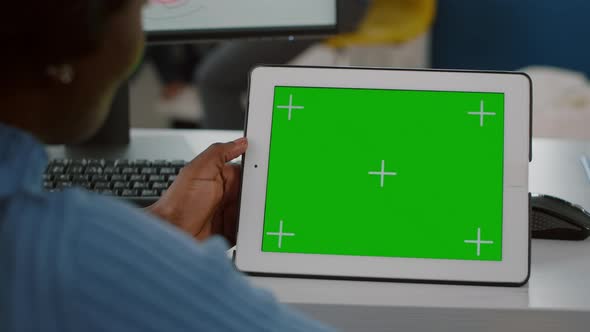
62	61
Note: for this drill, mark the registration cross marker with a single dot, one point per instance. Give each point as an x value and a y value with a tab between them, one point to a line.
290	107
280	234
479	242
482	114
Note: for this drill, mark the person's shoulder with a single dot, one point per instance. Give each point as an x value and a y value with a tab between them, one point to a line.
65	212
77	218
93	207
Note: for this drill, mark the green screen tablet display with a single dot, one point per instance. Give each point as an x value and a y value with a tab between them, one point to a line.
386	173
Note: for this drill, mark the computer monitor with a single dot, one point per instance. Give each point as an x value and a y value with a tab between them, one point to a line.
174	20
181	21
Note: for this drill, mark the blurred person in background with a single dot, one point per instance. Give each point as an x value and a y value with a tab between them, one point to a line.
222	77
175	65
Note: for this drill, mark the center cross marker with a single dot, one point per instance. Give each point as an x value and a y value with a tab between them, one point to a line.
383	173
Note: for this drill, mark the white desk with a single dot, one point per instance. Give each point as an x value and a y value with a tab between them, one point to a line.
556	299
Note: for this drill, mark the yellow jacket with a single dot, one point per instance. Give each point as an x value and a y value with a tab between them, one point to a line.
390	21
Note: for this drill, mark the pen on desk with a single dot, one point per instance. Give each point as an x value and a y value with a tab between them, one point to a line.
586	163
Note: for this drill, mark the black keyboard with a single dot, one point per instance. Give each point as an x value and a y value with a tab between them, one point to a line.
141	182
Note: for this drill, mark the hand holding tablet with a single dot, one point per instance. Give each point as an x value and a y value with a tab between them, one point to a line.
387	174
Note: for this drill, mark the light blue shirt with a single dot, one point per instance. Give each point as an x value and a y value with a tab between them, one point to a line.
74	261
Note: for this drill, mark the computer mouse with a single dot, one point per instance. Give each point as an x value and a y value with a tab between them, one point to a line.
556	219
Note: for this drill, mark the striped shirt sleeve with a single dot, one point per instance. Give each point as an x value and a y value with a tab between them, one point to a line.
131	272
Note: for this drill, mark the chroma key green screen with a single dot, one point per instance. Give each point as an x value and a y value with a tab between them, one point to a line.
387	173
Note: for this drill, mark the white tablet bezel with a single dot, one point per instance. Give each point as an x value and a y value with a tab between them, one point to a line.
512	270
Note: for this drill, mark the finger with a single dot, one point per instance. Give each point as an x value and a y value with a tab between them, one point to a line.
225	152
230	223
232	175
210	163
239	148
217	223
205	232
230	204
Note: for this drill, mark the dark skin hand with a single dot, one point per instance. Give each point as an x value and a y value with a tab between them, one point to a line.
203	201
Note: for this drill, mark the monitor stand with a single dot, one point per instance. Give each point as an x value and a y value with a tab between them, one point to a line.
114	141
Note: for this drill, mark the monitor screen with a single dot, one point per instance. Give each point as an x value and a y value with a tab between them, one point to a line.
197	19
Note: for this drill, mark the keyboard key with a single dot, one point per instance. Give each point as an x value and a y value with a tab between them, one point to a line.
100	178
160	163
149	193
121	185
141	185
168	171
142	163
56	170
160	185
107	192
137	177
75	169
102	186
157	178
111	170
172	178
47	177
178	163
92	170
123	163
96	163
81	178
149	171
130	170
63	178
64	184
119	177
48	185
85	185
130	193
82	162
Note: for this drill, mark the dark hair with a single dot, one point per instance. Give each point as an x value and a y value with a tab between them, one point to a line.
37	33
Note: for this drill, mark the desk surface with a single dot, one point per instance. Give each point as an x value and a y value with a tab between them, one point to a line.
558	292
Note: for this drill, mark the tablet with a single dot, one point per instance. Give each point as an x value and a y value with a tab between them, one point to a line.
380	174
